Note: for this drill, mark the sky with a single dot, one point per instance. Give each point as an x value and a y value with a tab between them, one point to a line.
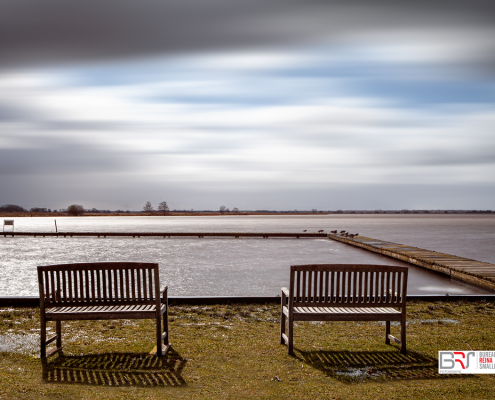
254	104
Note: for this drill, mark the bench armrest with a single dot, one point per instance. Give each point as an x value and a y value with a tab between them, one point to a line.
164	292
285	291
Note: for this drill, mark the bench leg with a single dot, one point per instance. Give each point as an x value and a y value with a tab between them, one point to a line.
165	326
291	335
59	334
159	335
282	326
43	338
162	340
387	332
403	335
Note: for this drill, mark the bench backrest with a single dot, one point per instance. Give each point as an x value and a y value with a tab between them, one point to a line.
105	283
347	285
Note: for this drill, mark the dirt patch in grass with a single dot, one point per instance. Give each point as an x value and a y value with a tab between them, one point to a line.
234	351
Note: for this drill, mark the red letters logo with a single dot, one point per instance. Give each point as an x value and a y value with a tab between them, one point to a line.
460	361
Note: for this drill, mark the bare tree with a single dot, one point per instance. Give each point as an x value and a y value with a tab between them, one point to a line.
148	207
163	207
75	209
235	209
223	209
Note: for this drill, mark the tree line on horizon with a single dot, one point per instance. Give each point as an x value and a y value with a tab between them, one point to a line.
77	209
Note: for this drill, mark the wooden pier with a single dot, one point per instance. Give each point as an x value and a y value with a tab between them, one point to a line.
264	235
478	273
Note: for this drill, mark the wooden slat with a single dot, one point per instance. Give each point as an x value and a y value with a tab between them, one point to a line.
394	339
145	285
399	288
314	279
303	293
81	286
93	286
46	285
326	293
58	289
366	283
360	287
52	286
98	284
75	275
139	294
52	339
348	291
315	287
133	285
64	287
87	285
298	286
394	295
121	284
372	287
309	285
108	285
150	281
69	284
115	284
321	297
127	285
382	287
354	287
343	287
332	288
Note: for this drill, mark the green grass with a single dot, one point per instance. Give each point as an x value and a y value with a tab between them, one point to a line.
234	351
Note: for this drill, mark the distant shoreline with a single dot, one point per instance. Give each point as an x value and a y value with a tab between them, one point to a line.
242	213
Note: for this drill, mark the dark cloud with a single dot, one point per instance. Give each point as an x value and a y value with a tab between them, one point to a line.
62	157
10	112
36	32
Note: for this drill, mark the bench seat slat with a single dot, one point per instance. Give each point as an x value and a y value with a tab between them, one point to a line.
107	312
101	309
345	310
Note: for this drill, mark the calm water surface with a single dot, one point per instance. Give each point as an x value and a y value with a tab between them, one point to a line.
244	267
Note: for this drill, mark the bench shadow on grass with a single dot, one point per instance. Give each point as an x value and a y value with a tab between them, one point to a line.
116	369
360	366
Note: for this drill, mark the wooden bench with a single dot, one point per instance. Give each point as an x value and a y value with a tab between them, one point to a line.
106	290
344	292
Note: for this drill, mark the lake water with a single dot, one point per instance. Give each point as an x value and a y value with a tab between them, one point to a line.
244	266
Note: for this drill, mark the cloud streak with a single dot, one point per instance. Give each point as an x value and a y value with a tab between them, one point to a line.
57	31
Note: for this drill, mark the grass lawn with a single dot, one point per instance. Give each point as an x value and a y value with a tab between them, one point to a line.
234	351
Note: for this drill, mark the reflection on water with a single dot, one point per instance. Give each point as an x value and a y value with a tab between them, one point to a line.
243	267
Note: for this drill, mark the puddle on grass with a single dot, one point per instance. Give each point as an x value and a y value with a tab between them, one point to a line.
359	374
434	321
423	321
16	343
